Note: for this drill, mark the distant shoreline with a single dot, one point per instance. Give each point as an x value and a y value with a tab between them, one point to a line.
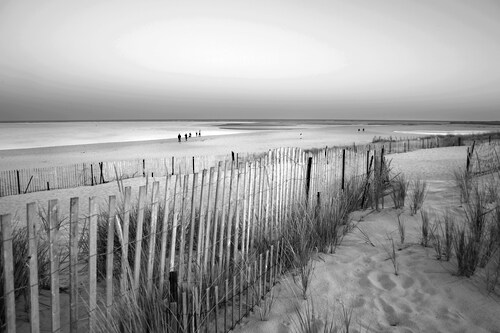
312	121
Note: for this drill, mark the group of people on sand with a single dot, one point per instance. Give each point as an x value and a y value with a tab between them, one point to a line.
186	135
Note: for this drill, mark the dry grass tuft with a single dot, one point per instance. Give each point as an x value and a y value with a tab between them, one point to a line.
417	195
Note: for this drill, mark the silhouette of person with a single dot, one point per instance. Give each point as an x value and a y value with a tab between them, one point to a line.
189	134
179	137
186	136
199	133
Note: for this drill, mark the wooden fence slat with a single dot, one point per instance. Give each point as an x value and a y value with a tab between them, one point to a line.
222	212
260	219
174	225
92	263
244	212
125	268
152	235
138	239
201	225
54	264
8	272
164	232
283	186
236	215
274	194
216	292
230	215
209	216
248	211
192	227
182	241
110	254
32	222
184	312
73	267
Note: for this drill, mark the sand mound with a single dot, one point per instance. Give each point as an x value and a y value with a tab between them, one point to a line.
425	296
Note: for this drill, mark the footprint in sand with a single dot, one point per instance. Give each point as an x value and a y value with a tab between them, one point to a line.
359	302
408	282
398	319
390	313
381	281
425	287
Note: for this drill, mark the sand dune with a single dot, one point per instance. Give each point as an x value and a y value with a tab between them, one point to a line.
425	296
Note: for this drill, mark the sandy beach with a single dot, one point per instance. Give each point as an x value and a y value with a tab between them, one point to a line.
241	137
426	295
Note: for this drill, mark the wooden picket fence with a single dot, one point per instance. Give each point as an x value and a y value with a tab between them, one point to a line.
13	182
210	240
20	181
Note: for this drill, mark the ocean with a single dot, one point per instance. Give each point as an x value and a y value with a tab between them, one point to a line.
25	135
53	134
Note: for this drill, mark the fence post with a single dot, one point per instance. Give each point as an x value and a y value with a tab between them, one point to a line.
8	272
367	161
32	222
101	167
318	204
468	160
343	168
73	270
308	177
18	183
53	218
172	278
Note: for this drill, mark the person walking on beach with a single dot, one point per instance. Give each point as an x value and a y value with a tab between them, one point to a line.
186	136
199	133
179	137
189	134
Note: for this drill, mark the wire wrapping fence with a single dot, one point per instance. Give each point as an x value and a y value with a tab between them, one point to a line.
13	182
20	181
483	158
208	242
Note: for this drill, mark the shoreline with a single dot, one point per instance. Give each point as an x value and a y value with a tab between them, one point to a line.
249	139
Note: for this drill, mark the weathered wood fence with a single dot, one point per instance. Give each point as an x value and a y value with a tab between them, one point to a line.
13	182
209	241
21	181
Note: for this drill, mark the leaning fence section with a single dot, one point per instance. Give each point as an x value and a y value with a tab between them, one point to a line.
208	242
13	182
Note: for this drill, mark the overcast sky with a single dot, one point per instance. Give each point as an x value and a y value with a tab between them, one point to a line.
339	59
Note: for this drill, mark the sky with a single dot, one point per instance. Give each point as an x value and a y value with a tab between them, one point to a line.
234	59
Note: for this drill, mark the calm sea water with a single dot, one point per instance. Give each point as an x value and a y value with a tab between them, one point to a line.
47	134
